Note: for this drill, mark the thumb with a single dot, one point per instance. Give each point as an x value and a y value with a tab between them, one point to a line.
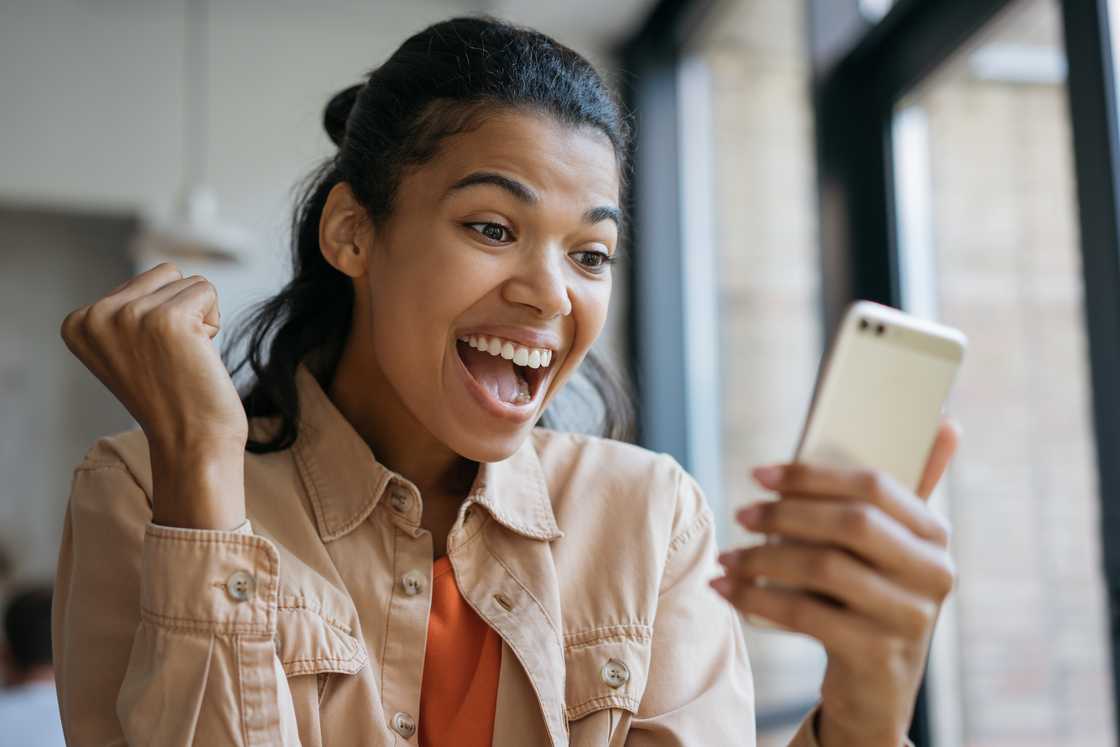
212	321
200	300
944	447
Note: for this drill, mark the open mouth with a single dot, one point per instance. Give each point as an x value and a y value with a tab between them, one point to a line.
512	375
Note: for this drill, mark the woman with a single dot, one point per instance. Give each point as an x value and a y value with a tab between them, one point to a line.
402	557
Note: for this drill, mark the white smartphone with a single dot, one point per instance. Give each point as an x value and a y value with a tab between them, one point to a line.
880	393
879	396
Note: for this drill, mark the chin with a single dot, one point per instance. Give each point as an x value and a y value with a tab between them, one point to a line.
481	447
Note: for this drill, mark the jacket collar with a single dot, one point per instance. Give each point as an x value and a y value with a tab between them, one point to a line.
345	481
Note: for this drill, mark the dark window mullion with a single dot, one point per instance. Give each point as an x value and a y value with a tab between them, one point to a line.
1092	100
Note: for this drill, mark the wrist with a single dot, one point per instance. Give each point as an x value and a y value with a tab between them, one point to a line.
213	446
198	490
833	733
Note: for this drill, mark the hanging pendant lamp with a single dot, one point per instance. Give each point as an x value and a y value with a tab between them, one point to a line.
194	230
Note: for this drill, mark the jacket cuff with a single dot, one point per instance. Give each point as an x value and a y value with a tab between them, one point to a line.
209	581
806	736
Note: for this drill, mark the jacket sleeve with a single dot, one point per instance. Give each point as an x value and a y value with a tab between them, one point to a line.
700	688
163	636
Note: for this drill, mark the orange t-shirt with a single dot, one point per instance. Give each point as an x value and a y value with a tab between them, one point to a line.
460	686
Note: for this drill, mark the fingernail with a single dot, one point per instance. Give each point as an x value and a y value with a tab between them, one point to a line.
750	515
727	558
768	475
722	585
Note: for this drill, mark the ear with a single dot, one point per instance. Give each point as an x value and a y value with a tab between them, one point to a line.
345	232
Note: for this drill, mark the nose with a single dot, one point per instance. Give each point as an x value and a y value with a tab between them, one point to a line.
540	284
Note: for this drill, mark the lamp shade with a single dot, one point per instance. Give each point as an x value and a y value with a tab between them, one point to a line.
194	232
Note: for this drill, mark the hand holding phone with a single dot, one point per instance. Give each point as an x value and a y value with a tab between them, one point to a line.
862	564
878	399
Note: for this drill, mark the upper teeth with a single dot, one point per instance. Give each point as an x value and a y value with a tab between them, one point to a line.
519	354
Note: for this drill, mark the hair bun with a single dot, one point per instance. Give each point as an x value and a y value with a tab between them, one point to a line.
338	111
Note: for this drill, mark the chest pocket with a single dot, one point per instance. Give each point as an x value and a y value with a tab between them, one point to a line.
309	643
316	623
606	671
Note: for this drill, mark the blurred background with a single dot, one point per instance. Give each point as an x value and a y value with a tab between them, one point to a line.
955	158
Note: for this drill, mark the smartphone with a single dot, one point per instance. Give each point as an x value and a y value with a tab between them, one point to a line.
879	396
880	393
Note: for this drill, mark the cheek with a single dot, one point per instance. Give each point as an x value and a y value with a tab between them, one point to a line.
443	277
421	284
403	318
414	300
589	309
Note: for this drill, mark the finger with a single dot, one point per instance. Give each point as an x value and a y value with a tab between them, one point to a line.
873	486
944	447
145	304
143	284
73	333
861	529
197	299
838	629
838	575
88	319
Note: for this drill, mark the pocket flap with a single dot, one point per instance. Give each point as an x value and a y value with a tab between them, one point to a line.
308	643
606	668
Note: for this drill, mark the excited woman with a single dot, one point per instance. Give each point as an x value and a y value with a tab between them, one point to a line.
376	545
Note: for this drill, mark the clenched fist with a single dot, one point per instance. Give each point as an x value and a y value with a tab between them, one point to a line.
150	342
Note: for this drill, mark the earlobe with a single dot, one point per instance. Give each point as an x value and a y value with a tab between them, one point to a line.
344	231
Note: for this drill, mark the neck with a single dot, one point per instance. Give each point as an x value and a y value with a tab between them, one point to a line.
367	400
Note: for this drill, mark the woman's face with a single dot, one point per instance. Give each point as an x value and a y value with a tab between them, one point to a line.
497	247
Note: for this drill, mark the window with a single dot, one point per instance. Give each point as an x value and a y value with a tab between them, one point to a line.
951	180
988	242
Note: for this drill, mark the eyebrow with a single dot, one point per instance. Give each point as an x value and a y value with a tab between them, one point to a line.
526	195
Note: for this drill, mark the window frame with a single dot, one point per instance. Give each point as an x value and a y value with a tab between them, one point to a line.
670	367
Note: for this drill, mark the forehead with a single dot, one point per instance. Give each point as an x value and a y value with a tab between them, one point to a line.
573	162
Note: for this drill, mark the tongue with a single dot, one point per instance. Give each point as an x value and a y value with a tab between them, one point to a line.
497	375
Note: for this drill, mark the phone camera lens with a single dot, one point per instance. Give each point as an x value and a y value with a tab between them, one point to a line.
864	324
880	329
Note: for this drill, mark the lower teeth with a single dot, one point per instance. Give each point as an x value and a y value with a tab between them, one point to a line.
523	397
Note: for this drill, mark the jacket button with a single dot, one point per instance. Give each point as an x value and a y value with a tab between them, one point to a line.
399	501
615	673
404	725
240	585
412	583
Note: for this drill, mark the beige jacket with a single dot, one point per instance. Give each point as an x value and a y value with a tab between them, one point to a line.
307	627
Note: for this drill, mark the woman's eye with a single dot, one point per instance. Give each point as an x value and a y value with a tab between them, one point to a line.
492	231
595	261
